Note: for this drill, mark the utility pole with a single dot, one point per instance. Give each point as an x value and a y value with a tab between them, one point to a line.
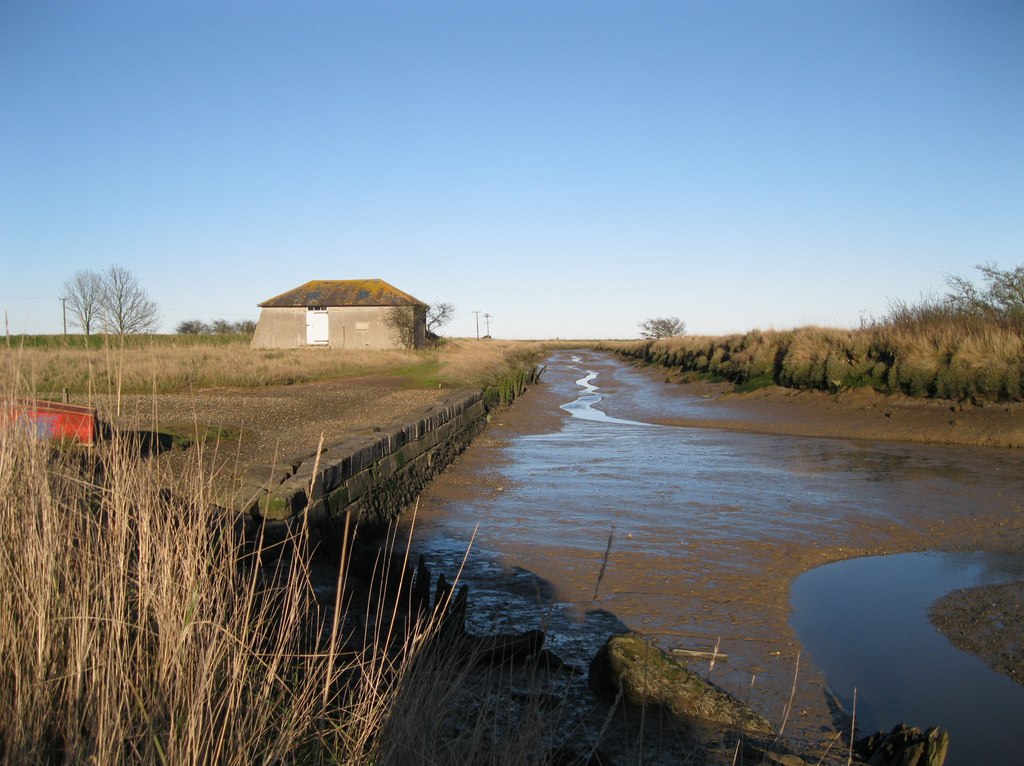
487	320
477	324
64	308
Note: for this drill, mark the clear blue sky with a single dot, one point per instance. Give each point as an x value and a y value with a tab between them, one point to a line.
568	167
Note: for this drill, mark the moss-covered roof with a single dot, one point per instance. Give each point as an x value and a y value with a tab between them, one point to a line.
343	292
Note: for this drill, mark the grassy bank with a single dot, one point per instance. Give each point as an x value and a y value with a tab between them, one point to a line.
919	351
169	363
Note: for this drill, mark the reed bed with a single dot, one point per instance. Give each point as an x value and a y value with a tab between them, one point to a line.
140	625
133	627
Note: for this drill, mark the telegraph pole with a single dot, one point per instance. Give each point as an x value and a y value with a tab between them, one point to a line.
477	324
487	320
64	308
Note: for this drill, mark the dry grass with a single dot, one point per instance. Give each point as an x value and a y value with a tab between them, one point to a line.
476	364
139	625
134	626
163	364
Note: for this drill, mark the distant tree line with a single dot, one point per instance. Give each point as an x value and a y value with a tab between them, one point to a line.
111	300
216	327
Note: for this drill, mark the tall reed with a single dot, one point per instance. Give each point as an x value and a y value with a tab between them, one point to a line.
135	625
140	625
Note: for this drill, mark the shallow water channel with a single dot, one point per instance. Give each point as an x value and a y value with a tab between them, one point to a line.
590	518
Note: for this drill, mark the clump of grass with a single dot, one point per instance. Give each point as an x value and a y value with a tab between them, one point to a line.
479	364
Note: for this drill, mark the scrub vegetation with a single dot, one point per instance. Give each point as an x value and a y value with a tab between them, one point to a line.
966	345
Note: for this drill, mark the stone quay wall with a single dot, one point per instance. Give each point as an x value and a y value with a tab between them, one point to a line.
373	474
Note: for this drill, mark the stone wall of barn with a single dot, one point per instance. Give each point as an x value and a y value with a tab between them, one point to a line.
348	327
280	328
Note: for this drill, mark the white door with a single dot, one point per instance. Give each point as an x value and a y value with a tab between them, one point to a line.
316	327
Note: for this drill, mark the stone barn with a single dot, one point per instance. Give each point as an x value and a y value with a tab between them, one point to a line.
342	313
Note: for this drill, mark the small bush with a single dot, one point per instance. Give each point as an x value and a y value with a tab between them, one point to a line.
837	373
955	382
755	384
912	380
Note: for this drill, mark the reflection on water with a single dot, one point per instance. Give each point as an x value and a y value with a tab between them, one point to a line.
865	623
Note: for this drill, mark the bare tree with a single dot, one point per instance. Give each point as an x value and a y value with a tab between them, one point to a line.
126	306
438	315
662	327
84	294
401	320
1001	298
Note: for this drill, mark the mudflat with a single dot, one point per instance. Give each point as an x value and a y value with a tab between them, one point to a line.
860	413
986	621
740	591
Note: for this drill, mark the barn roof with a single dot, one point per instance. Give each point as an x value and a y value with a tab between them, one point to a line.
343	292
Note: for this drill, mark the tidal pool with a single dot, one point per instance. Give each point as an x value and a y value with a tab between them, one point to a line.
864	622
